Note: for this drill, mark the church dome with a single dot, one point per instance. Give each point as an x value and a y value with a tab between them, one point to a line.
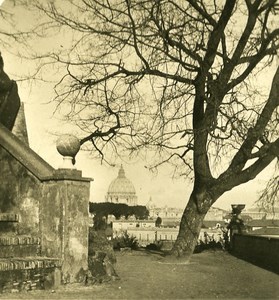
150	204
121	190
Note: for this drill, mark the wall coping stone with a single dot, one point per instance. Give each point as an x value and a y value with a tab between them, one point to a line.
33	162
67	174
259	237
24	154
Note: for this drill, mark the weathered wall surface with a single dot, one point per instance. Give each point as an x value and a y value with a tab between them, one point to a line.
259	250
19	188
64	223
75	260
54	208
19	194
29	274
51	220
43	211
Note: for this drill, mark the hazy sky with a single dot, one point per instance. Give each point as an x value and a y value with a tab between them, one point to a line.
43	129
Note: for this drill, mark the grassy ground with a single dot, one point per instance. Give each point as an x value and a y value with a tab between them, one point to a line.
208	275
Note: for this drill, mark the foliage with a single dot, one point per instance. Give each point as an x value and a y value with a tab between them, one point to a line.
157	246
158	222
98	241
118	210
212	242
124	240
101	256
139	211
99	222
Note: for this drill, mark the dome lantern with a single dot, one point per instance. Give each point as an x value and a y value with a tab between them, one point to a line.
121	172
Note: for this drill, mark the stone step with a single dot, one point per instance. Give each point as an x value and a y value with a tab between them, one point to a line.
19	246
29	273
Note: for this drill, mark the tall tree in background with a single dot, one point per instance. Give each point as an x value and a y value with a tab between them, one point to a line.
174	78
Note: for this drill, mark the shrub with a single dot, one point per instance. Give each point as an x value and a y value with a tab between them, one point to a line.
125	241
211	242
157	246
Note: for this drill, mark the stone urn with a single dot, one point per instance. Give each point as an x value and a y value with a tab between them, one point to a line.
237	209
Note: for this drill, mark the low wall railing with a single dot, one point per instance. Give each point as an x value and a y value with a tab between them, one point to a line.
262	251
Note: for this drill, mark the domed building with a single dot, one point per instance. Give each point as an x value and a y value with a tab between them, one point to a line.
150	205
122	190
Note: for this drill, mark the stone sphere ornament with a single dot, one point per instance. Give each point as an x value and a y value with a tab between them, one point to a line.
68	146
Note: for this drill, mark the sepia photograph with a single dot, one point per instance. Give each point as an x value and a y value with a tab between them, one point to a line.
139	149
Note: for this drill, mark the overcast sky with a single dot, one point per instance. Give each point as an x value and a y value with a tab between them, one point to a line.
43	129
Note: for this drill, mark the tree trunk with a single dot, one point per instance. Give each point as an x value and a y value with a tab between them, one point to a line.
190	224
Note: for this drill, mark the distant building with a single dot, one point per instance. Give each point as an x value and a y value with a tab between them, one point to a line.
120	225
122	190
163	212
215	214
146	232
264	225
257	213
174	214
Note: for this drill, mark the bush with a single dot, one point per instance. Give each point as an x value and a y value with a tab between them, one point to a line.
98	242
157	246
125	241
211	242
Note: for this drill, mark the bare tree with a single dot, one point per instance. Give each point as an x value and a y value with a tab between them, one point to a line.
9	34
177	79
269	197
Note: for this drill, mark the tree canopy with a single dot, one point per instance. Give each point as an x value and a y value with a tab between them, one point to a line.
118	210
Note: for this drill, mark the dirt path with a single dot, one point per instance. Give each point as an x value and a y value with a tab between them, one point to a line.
215	275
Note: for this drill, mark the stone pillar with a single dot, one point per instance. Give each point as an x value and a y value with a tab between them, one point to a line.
64	222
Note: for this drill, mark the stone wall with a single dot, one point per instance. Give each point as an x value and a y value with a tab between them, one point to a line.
19	194
19	246
259	250
24	274
43	211
51	205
